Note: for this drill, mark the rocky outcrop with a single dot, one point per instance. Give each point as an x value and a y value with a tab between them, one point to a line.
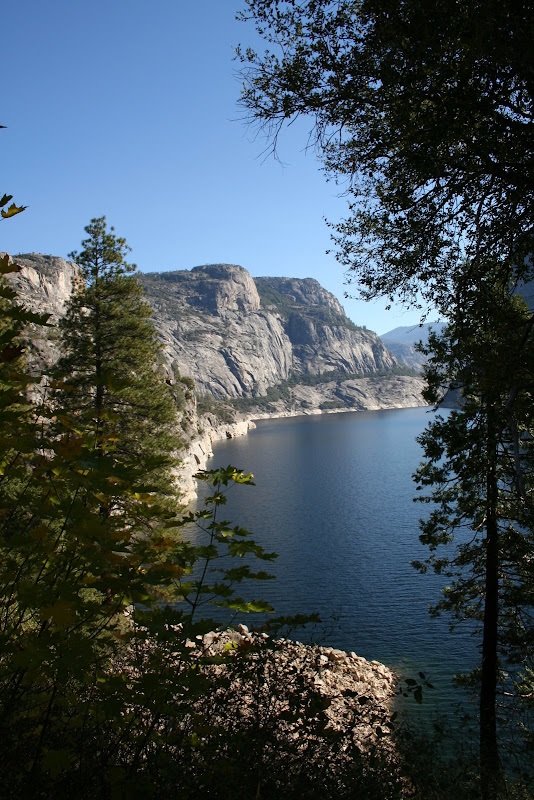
355	693
296	715
350	394
277	346
237	337
44	284
200	448
322	337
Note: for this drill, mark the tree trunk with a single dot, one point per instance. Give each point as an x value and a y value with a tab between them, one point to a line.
490	769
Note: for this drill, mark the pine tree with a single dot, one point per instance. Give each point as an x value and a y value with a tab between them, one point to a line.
72	723
89	694
480	471
76	505
110	373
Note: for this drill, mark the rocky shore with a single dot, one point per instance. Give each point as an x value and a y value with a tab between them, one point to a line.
195	456
352	695
369	394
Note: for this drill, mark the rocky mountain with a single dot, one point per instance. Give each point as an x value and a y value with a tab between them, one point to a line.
279	345
401	342
236	336
237	349
44	285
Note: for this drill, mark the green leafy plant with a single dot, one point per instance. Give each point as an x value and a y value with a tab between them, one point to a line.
478	475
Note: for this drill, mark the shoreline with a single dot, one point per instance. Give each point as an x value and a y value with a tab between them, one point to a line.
200	449
337	676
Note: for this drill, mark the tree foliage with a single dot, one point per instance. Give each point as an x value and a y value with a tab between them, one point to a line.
109	377
99	588
425	112
479	474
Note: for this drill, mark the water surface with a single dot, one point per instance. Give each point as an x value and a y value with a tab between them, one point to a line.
334	498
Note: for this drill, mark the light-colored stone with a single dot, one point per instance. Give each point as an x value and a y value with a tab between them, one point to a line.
337	655
44	285
215	329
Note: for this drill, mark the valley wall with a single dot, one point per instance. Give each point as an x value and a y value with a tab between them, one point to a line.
254	348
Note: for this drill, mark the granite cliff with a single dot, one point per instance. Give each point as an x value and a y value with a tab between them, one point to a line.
237	349
236	336
44	284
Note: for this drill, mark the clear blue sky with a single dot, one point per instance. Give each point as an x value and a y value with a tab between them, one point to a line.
128	109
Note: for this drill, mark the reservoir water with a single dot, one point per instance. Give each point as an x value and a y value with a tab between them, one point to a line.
334	498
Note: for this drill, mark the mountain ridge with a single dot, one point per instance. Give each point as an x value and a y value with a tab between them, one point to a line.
254	333
401	342
235	349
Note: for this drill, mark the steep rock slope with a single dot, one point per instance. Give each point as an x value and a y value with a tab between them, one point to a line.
44	284
237	337
274	346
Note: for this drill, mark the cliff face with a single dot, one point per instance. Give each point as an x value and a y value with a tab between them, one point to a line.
213	330
47	279
44	284
263	345
236	337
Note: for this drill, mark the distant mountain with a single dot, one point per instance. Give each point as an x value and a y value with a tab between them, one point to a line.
401	342
235	349
237	336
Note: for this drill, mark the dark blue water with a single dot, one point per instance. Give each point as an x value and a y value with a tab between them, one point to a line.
334	498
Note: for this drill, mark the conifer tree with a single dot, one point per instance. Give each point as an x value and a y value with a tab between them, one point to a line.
480	471
109	371
72	724
426	112
89	694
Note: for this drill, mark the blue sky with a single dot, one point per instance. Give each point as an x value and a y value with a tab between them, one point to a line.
129	110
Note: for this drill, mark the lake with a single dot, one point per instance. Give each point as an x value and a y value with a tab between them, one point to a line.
334	498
